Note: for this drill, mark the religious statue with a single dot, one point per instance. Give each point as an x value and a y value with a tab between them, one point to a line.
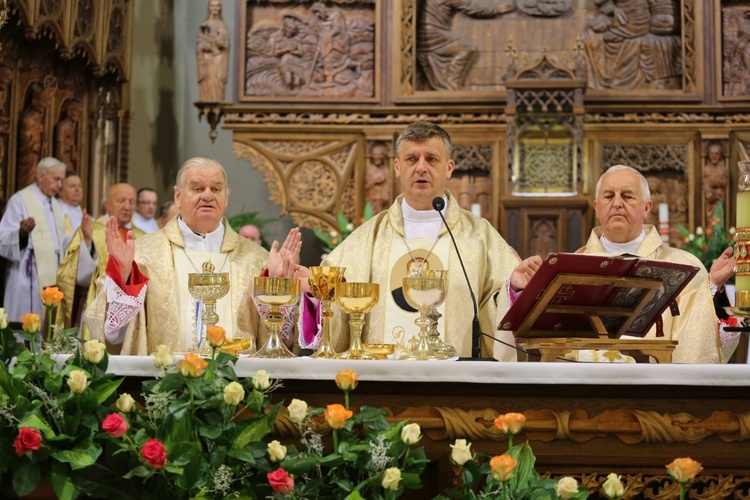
737	61
544	238
332	53
31	132
6	77
294	48
66	135
715	179
376	180
444	56
212	50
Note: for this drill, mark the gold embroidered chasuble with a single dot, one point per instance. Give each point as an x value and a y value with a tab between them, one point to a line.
68	271
695	328
159	321
489	262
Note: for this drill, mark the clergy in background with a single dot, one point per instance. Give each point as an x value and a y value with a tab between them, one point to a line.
86	255
71	195
143	299
145	210
31	239
384	249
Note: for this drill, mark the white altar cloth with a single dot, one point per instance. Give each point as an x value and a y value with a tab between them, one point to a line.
474	372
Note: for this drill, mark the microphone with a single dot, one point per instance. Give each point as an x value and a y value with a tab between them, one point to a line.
438	204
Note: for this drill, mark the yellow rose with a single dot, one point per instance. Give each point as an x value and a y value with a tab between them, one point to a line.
78	380
261	381
613	487
391	478
192	366
411	433
684	470
163	356
297	411
93	351
502	467
234	393
566	488
276	451
216	336
3	319
125	403
51	296
31	323
347	380
336	415
461	452
510	423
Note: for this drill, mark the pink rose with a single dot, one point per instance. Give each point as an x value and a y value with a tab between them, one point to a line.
28	439
154	453
115	425
280	481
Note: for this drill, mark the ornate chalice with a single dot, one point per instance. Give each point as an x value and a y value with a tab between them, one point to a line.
275	292
424	294
356	299
441	348
323	284
208	287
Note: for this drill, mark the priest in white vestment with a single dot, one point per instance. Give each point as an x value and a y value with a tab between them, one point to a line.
144	301
411	236
31	239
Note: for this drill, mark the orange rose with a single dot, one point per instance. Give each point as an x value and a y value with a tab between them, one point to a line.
192	366
510	423
684	470
216	336
502	467
336	415
31	323
51	296
347	380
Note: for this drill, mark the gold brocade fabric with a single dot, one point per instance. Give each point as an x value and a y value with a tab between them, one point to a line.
695	328
159	323
488	258
68	270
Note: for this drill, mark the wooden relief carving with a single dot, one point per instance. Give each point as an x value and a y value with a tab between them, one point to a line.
321	50
471	181
650	157
377	177
32	130
67	133
735	30
715	179
6	81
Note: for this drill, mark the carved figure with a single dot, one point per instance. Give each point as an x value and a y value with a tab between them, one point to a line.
715	179
544	238
31	134
376	180
66	135
737	64
634	44
444	56
212	50
6	77
333	41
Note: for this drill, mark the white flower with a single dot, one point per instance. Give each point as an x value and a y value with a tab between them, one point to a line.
297	411
333	234
78	380
3	318
613	487
93	351
691	237
461	452
261	381
125	403
350	227
566	488
391	478
411	433
163	357
732	230
698	230
276	451
234	393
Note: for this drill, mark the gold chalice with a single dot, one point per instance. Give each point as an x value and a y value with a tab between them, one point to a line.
208	287
356	299
442	349
424	294
275	292
323	284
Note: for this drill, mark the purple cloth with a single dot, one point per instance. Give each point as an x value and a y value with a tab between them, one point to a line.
309	336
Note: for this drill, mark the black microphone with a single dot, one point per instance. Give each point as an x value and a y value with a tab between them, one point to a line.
476	352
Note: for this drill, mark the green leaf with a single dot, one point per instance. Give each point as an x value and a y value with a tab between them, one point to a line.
253	431
34	421
26	478
62	483
79	457
139	471
298	466
105	390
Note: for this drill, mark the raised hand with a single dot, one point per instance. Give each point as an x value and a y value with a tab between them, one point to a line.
723	267
121	251
522	274
283	259
27	225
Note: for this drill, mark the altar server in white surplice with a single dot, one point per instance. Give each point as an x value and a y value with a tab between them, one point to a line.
31	239
411	236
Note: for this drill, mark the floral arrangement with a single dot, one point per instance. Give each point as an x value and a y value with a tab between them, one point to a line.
708	244
334	238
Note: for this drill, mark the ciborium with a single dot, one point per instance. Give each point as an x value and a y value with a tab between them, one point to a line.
323	284
208	287
356	299
274	293
424	294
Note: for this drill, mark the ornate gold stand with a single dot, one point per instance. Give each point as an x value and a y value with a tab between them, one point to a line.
208	287
275	292
323	284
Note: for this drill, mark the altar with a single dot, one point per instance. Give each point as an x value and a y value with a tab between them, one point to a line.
583	419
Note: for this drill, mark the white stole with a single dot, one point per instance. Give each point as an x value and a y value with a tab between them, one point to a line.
46	244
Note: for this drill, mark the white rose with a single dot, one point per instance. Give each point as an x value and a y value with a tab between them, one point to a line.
297	411
391	478
78	380
234	393
125	403
566	488
698	230
333	234
613	487
411	433
732	231
276	451
3	318
93	351
350	227
260	381
461	452
163	356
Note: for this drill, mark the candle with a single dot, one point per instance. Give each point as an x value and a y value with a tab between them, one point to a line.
742	238
664	222
476	209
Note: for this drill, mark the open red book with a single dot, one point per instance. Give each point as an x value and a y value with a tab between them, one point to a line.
584	302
